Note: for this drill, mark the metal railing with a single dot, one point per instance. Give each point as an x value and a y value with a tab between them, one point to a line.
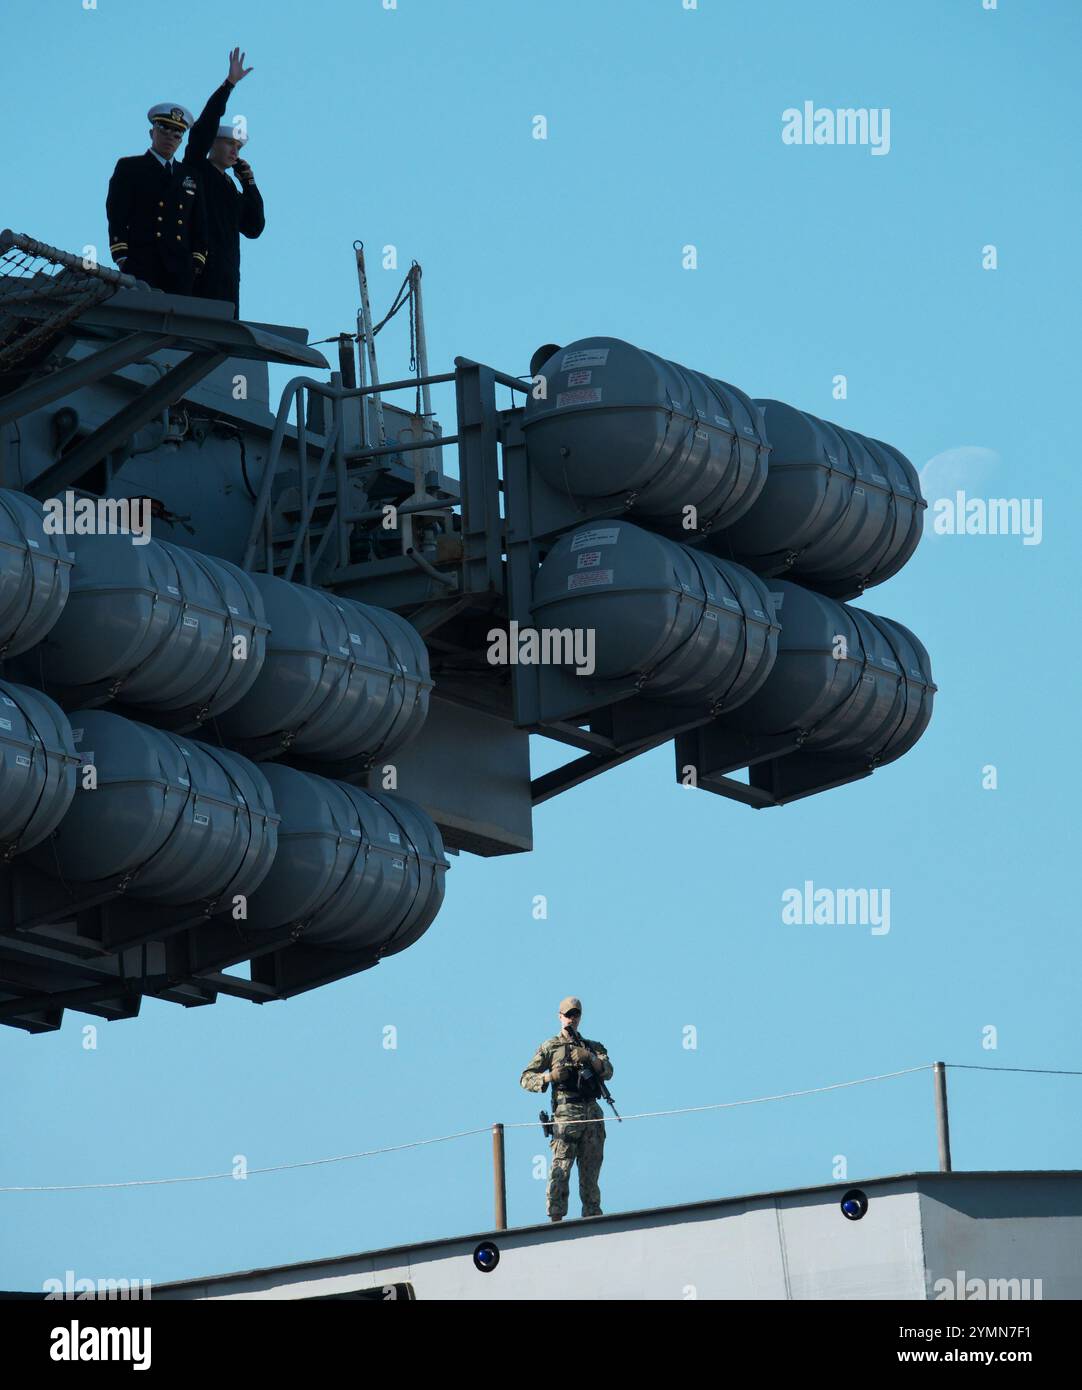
296	398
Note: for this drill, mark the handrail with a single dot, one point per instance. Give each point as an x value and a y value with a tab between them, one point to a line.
309	502
341	518
262	501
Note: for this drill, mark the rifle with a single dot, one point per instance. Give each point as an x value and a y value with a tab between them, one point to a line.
593	1078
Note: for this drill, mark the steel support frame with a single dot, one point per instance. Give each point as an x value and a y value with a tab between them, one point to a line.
81	372
121	426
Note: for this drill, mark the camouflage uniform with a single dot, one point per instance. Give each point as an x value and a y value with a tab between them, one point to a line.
586	1143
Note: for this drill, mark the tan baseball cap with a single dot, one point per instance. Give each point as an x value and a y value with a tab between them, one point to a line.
566	1005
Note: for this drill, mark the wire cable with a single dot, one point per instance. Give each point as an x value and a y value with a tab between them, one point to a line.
462	1134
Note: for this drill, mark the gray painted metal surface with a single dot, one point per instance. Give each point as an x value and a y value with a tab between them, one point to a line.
838	510
487	812
131	394
617	422
919	1231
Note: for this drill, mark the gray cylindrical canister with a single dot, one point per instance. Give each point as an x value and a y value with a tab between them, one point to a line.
686	626
340	679
171	819
850	682
356	870
38	767
155	626
624	427
840	512
35	565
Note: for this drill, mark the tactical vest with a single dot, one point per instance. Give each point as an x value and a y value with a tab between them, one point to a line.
568	1086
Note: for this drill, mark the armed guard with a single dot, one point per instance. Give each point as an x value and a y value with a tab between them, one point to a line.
574	1066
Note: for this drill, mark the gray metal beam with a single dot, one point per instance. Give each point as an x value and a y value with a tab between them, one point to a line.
108	436
79	373
572	774
126	996
482	525
198	325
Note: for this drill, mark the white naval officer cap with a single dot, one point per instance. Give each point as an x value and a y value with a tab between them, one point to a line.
170	114
234	130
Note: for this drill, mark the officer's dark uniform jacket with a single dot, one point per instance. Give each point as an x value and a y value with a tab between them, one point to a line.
231	212
158	220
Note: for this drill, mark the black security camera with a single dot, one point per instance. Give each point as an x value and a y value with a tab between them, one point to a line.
486	1257
854	1204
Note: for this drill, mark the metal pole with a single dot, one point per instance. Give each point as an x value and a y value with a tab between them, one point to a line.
339	473
500	1177
420	461
369	340
302	461
943	1134
422	344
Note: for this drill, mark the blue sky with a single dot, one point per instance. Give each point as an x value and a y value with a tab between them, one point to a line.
414	127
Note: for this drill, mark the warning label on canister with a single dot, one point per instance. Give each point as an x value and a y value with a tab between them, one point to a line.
588	395
604	535
584	357
579	378
589	579
587	560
